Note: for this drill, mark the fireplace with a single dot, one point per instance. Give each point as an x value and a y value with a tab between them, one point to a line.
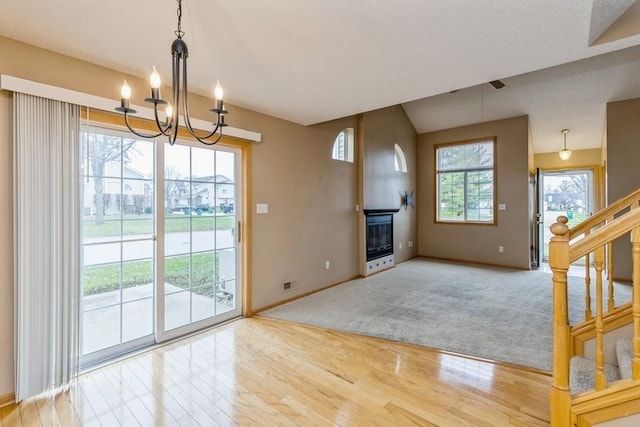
379	233
379	236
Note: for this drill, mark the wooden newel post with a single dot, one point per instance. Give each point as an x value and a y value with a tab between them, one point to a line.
559	263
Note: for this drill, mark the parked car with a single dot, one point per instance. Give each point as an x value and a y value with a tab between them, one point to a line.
226	208
183	209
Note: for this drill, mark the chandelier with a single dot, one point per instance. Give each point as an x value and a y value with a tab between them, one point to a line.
169	127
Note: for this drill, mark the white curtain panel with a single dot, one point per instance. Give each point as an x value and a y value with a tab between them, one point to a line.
46	244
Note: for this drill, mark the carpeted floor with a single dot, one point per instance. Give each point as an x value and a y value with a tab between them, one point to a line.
492	313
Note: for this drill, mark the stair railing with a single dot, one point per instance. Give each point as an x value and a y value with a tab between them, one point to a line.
565	249
585	228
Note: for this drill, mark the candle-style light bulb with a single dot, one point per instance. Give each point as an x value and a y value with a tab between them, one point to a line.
125	95
218	92
155	82
125	91
168	114
154	79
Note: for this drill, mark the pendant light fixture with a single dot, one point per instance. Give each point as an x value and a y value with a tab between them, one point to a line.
169	127
564	153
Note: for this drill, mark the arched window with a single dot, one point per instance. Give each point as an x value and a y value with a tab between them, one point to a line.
400	159
343	146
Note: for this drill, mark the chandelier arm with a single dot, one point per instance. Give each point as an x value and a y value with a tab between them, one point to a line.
207	140
163	129
202	138
212	142
136	133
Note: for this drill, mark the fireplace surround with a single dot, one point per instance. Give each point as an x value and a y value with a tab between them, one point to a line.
379	239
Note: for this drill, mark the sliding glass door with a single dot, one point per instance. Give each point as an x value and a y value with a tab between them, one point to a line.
118	244
160	250
200	244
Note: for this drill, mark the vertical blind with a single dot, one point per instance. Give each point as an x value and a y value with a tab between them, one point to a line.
47	260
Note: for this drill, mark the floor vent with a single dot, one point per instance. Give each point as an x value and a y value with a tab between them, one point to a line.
287	286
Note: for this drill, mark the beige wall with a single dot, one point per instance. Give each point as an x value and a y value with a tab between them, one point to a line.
479	243
623	173
311	218
311	198
383	186
578	159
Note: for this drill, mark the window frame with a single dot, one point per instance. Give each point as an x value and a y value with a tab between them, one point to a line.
494	190
343	149
400	160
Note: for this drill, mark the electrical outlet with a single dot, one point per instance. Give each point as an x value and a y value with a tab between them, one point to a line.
501	249
327	265
410	243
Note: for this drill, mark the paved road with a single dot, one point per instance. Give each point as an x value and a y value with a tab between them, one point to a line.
175	244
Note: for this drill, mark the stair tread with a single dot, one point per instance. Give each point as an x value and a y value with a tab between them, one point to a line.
624	353
583	374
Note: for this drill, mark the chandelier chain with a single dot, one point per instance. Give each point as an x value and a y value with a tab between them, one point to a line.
179	33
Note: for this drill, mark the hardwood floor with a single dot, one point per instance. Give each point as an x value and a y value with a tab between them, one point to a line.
266	372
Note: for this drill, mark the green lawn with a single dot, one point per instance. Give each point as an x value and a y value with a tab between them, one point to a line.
143	224
448	215
105	278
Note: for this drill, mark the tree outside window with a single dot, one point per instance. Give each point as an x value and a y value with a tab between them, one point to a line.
465	181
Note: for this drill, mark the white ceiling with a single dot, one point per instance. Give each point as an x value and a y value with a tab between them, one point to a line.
313	61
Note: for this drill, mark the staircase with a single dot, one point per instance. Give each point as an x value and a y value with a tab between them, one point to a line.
582	370
596	363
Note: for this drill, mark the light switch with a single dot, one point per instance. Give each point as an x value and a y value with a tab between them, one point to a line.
262	208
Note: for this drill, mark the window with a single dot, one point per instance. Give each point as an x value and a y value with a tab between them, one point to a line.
465	187
400	160
343	146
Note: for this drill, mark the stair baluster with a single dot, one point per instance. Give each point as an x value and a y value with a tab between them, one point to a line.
635	253
587	283
611	302
601	381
